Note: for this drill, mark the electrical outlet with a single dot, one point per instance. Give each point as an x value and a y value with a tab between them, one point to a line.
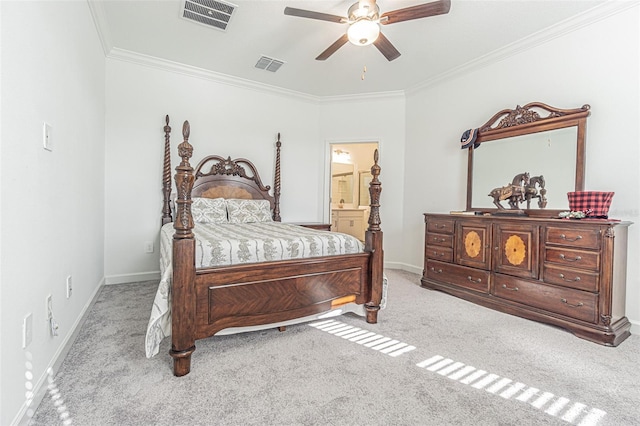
69	286
49	307
27	330
148	247
52	324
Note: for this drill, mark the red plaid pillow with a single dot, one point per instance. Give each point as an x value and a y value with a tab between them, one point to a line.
593	203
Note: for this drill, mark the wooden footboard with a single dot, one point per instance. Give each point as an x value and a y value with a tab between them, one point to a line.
205	301
276	291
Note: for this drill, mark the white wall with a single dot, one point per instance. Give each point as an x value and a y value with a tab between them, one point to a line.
382	119
596	65
225	120
237	122
52	202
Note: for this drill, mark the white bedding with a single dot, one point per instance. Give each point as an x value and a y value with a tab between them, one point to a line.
232	244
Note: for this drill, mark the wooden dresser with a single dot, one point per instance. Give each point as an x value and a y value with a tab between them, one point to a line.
569	273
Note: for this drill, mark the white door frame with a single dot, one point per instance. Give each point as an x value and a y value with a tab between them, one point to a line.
326	199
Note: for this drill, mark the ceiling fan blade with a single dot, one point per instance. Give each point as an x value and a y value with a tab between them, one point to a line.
332	49
416	12
386	48
292	11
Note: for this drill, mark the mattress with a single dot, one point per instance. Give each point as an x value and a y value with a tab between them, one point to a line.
234	244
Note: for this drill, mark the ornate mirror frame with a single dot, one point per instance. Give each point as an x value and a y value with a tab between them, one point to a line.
527	120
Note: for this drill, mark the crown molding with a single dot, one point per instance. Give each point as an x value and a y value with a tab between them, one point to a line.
560	29
191	71
567	26
397	94
100	21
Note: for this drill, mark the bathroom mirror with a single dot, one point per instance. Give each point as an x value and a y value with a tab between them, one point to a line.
342	188
535	139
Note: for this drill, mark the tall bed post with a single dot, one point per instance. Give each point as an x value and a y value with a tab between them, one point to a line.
373	244
183	297
166	175
276	183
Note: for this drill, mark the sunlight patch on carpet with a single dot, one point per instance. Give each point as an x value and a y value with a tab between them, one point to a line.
369	339
561	407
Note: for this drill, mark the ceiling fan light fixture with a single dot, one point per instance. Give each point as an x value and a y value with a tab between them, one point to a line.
364	22
363	32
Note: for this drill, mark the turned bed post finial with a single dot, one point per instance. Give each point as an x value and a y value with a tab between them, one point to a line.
375	188
183	301
184	183
166	175
276	190
373	244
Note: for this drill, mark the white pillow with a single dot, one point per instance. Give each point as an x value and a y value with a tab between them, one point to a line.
247	211
209	210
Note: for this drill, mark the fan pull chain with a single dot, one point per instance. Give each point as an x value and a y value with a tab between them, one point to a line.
364	71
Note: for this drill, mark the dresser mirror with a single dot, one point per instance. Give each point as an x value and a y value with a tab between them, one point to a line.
545	142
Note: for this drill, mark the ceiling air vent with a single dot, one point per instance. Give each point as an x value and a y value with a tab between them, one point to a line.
212	13
269	64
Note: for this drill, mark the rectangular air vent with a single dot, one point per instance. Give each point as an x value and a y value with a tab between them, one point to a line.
269	64
212	13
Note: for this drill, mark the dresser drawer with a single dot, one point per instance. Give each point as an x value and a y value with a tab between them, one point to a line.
580	259
444	254
576	304
577	237
442	226
350	213
573	278
444	240
460	276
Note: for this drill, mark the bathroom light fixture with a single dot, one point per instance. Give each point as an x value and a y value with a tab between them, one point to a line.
340	156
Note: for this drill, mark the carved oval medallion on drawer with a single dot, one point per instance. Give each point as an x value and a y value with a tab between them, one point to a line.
445	240
440	225
439	253
574	258
574	278
460	276
579	237
571	303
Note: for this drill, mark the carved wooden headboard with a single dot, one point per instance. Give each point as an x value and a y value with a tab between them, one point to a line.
219	177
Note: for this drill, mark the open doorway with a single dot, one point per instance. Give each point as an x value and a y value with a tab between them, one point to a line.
349	186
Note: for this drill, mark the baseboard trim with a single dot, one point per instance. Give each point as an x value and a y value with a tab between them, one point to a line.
404	267
40	388
133	278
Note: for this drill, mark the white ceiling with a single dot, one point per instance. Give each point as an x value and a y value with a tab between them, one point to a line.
472	33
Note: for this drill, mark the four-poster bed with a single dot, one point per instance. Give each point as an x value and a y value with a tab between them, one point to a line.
208	297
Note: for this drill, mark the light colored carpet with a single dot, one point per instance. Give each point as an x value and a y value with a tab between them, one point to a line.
452	363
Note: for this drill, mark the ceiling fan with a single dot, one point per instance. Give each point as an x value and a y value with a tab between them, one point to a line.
364	22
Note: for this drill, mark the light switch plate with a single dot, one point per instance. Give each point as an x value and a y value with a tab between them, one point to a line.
69	286
46	137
